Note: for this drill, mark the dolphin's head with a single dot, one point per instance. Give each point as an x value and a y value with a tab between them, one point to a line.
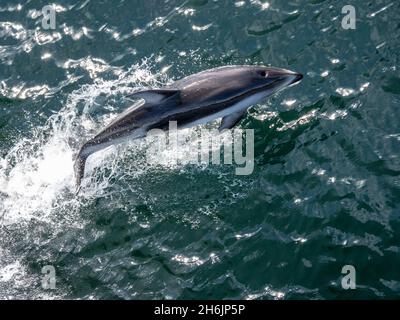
269	79
226	83
259	79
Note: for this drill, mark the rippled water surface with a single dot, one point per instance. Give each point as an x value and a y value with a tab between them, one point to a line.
324	192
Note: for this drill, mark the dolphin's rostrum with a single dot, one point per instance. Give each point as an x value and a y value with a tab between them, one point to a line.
224	92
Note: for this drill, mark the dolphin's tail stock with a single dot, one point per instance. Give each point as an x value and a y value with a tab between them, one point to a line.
79	167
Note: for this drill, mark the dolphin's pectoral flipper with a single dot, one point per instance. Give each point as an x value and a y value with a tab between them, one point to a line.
229	121
153	96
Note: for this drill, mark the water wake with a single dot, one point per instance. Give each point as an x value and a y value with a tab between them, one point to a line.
36	175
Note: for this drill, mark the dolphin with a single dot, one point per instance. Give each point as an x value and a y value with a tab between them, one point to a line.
223	92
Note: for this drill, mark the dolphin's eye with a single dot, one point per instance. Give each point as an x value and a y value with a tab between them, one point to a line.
263	73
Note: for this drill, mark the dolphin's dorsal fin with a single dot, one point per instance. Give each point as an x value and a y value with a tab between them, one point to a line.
229	121
153	96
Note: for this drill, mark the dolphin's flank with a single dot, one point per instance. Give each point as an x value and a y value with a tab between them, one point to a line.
224	92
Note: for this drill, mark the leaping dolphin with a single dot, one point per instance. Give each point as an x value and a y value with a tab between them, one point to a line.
224	92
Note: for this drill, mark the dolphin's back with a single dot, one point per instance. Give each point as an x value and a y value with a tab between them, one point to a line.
212	86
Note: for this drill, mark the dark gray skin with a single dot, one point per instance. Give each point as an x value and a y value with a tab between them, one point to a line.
224	92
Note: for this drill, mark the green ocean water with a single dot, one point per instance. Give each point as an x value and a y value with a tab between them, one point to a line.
326	183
